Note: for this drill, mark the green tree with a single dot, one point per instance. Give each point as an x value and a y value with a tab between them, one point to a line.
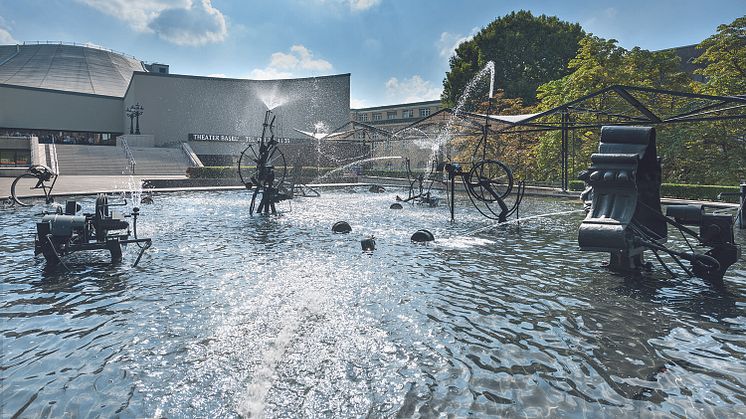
600	63
527	51
725	60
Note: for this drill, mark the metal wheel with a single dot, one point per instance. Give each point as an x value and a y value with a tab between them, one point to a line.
276	159
489	180
245	180
26	201
102	211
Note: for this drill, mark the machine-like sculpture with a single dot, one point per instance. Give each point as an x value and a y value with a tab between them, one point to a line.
487	184
420	186
625	218
66	232
269	172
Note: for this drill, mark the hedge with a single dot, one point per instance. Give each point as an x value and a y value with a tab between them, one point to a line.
683	191
213	172
669	190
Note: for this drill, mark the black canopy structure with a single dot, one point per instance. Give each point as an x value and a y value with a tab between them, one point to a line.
352	131
615	105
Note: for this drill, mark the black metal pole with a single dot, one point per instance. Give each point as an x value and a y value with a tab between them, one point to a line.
453	196
137	129
564	151
131	130
742	213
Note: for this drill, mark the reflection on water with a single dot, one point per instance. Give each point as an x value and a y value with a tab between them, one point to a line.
231	315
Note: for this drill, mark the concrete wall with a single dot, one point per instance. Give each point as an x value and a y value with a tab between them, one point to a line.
44	109
177	105
16	143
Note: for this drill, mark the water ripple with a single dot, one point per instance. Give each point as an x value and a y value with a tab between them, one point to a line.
229	315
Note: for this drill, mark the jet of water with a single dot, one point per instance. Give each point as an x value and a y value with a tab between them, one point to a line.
349	165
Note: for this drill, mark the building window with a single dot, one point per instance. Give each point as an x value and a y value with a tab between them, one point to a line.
377	116
15	158
424	112
391	115
364	117
407	113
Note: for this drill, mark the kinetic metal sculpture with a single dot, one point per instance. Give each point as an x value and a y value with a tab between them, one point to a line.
625	217
418	192
61	233
488	183
265	180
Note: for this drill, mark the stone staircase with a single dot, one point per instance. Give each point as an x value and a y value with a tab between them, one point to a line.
160	161
112	160
90	160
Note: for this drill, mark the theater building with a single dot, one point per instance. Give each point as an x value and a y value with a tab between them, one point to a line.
71	94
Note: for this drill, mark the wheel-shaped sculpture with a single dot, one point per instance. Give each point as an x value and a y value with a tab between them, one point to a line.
102	211
14	189
255	169
489	180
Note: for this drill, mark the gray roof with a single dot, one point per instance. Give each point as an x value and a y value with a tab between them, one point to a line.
72	68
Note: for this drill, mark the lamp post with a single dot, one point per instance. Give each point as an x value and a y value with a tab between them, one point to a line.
138	111
134	112
130	112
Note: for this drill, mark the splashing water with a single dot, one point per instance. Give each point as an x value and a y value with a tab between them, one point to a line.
349	165
437	143
273	98
489	68
321	128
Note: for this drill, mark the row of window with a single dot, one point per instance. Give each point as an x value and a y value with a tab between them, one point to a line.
15	157
406	113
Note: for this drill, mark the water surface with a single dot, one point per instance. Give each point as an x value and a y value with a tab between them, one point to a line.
232	315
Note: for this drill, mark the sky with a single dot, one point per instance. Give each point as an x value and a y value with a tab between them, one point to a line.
396	51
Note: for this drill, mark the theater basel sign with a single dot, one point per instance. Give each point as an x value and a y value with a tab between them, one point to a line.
231	138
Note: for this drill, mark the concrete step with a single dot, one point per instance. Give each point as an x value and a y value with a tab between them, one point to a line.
86	160
110	160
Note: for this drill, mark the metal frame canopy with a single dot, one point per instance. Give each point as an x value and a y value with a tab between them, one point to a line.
352	131
613	105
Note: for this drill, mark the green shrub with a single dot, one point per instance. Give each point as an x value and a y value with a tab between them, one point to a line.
213	172
698	192
683	191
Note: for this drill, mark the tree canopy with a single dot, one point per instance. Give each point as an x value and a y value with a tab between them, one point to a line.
704	152
725	60
600	63
527	51
707	152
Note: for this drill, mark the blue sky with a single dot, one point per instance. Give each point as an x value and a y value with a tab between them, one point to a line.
396	50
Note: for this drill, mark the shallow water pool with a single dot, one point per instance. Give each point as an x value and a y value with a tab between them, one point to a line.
230	315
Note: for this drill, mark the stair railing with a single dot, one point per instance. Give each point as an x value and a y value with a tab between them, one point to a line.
130	168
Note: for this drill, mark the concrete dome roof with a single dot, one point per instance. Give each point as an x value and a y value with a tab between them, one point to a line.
72	68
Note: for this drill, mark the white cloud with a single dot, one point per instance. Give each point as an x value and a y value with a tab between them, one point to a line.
268	73
298	62
181	22
357	103
448	42
352	5
197	25
413	89
217	75
359	5
6	37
